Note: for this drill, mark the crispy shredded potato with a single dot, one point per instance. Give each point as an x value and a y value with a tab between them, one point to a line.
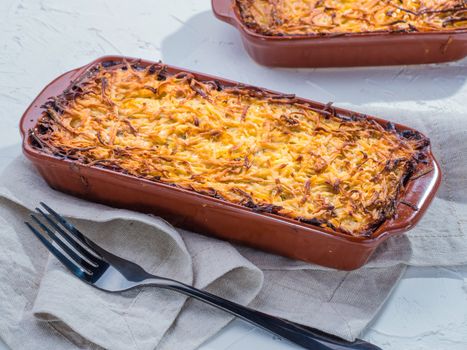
304	17
265	151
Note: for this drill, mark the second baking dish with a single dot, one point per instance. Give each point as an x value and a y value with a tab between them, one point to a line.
340	33
173	142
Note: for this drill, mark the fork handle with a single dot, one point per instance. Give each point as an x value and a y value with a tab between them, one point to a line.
297	334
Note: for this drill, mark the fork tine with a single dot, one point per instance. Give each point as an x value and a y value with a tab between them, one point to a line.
77	271
76	245
71	253
93	247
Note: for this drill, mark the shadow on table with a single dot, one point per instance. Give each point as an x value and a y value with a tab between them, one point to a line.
206	44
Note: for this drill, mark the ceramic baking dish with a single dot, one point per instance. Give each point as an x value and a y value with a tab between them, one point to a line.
352	49
208	215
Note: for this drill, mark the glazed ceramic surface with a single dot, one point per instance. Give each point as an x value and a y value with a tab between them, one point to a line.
353	49
201	213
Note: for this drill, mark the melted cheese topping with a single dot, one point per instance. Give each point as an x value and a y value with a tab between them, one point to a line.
243	145
300	17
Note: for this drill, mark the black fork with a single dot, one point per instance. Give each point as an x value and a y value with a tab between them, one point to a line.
108	272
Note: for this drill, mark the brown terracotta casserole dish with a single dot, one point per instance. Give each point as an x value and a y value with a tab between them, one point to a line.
400	43
266	227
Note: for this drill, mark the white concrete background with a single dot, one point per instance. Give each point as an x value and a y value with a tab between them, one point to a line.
42	39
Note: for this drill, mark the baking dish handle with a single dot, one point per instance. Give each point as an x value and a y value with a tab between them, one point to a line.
224	10
418	196
31	115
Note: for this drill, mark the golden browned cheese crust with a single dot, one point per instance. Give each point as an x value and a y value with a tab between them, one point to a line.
305	17
239	144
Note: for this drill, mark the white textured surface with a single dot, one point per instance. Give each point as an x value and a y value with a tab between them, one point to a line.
41	39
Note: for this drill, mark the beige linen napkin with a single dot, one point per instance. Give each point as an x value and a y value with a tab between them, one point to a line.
44	307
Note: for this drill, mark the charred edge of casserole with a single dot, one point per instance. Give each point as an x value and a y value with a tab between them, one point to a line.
77	87
249	21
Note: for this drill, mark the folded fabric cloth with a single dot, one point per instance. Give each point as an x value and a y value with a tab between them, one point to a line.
43	306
